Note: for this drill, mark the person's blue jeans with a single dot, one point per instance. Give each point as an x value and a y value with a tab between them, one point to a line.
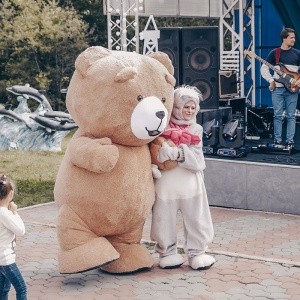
11	275
282	99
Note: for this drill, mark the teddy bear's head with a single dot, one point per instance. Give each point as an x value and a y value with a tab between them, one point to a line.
125	96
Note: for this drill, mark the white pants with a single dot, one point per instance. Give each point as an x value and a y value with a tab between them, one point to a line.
197	223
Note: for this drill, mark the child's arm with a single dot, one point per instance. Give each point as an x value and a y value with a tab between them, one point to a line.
13	221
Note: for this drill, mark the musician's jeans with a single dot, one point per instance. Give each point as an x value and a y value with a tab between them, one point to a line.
11	275
282	99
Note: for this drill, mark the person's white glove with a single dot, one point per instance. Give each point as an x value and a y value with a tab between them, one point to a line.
155	171
167	153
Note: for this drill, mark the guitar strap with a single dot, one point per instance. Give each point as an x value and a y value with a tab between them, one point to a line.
277	55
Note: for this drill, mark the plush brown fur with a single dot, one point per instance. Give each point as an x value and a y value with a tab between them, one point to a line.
104	188
154	148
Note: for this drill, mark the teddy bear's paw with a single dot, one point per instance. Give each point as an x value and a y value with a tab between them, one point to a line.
133	258
93	254
171	261
105	158
201	262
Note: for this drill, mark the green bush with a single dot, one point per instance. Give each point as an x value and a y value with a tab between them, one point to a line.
31	192
34	173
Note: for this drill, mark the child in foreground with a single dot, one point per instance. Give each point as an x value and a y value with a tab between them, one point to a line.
11	225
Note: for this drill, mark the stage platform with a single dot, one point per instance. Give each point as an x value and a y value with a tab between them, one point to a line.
263	181
258	181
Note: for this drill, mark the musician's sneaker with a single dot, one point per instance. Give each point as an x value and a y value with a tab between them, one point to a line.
290	144
277	142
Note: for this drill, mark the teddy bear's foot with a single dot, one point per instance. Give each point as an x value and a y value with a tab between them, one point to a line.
91	255
201	262
171	261
133	258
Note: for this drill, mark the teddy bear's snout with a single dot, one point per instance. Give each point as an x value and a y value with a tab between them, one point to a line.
160	114
149	118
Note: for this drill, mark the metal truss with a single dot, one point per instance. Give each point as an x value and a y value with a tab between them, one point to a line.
237	32
123	24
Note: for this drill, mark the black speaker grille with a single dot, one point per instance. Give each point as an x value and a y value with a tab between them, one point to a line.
170	43
200	62
171	55
194	53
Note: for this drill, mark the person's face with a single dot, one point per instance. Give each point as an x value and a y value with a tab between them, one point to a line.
290	40
189	110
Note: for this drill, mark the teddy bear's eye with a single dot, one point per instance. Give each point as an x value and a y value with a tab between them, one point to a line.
163	100
139	98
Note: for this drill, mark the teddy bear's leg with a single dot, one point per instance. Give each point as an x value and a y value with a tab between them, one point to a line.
80	248
133	255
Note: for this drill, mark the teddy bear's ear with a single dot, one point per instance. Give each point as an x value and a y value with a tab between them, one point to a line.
126	74
164	59
170	79
88	57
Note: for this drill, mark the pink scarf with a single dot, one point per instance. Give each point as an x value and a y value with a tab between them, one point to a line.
180	135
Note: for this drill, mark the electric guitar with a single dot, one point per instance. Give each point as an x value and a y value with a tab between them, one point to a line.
286	77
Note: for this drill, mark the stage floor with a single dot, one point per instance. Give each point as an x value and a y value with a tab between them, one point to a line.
260	156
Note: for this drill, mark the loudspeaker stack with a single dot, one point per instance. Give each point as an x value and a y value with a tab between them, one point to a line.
170	43
194	52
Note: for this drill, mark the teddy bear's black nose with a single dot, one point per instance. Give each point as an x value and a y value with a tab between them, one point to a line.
160	114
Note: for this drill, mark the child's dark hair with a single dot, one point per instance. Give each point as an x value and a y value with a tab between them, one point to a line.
6	185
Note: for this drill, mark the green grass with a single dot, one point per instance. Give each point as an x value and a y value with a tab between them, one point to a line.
34	172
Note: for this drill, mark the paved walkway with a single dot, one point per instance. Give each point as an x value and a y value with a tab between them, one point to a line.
257	257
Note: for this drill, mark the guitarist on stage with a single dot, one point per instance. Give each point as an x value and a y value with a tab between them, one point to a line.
283	95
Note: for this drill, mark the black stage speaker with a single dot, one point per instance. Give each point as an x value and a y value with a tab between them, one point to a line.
238	105
170	43
228	84
200	62
238	108
222	115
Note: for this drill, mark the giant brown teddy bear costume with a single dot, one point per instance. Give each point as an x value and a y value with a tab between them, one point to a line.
104	188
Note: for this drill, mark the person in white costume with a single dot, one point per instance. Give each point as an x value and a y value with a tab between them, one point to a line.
182	188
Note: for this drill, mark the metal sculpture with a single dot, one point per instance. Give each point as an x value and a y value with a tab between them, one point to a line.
41	130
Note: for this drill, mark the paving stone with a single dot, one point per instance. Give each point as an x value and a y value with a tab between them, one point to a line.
280	296
270	282
236	275
242	297
275	289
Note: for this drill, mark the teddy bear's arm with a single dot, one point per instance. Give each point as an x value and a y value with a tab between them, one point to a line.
95	155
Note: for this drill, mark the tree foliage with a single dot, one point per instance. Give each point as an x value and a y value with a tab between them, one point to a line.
39	42
91	11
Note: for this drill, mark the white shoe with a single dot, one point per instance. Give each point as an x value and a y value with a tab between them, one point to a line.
201	262
171	261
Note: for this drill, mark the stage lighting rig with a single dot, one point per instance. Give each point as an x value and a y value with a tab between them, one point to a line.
230	131
232	137
210	136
